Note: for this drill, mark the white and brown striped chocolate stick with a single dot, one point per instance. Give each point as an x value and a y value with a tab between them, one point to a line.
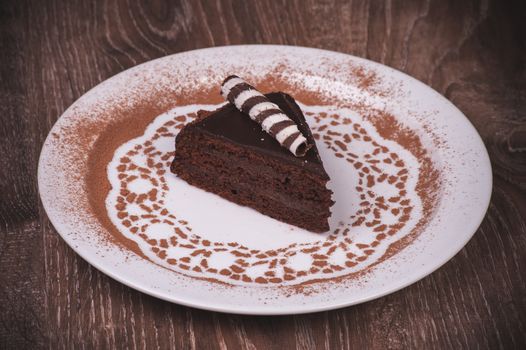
271	118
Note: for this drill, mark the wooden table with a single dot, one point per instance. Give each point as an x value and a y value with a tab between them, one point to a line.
52	52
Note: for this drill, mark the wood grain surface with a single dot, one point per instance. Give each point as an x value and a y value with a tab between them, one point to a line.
473	52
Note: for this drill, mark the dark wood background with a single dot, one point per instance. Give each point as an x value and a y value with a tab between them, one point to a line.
473	52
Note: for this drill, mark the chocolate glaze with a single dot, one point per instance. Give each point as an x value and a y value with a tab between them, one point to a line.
234	126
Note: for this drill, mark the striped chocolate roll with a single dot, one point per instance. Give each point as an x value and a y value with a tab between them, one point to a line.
272	119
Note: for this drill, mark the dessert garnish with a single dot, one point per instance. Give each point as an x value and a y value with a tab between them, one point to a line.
250	101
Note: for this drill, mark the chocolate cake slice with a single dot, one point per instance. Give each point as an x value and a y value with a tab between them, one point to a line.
227	153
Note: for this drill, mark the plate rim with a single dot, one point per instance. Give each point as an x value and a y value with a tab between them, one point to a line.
485	192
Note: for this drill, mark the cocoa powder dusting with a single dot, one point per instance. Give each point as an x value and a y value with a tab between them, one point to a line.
111	137
124	123
429	178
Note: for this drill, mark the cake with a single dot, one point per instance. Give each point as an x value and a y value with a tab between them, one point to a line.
227	153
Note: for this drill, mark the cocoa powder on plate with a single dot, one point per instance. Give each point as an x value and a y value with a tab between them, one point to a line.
130	123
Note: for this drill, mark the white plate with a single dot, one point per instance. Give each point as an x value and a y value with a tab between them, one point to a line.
358	87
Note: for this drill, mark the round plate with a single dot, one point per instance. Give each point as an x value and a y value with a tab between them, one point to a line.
383	136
